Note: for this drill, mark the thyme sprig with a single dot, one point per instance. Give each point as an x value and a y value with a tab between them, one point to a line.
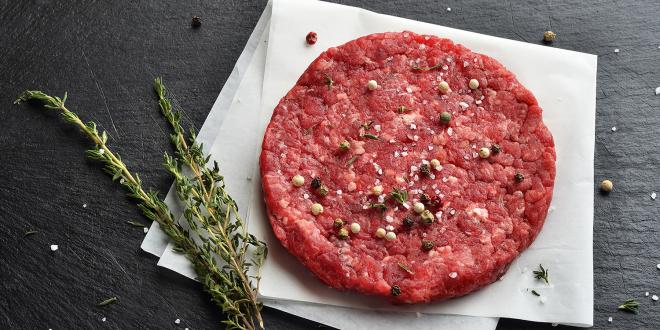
399	196
224	255
630	305
541	274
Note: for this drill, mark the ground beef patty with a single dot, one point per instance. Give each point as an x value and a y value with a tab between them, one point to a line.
349	141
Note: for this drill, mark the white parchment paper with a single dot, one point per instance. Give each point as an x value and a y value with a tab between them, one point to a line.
564	83
239	105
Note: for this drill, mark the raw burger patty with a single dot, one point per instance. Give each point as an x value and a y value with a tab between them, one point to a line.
485	211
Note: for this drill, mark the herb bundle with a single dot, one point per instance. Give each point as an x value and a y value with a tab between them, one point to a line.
225	256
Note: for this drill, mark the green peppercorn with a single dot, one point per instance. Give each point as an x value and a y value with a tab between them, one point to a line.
343	233
519	177
402	109
425	169
322	190
408	222
495	148
344	145
427	245
338	223
396	290
316	183
445	117
427	217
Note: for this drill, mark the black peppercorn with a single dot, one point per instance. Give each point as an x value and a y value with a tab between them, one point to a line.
425	169
519	177
427	245
396	290
196	21
495	148
408	222
316	183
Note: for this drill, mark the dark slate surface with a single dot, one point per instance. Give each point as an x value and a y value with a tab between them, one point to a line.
105	54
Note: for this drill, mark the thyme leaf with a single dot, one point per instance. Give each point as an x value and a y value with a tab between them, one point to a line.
367	125
328	81
429	68
379	206
30	233
370	136
541	274
135	224
630	305
400	196
351	161
107	302
404	267
536	293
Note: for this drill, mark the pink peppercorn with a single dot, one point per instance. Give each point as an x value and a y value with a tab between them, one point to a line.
311	38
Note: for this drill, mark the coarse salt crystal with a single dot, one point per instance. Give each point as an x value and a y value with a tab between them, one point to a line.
609	319
452	212
103	319
389	227
450	131
408	89
477	101
339	192
465	64
305	196
404	153
377	128
54	247
658	266
616	50
389	218
430	148
543	299
448	9
655	298
177	321
646	294
415	138
84	205
413	126
392	141
381	198
657	91
613	128
463	105
145	229
453	274
653	195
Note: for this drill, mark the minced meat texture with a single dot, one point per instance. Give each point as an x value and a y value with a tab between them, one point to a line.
484	211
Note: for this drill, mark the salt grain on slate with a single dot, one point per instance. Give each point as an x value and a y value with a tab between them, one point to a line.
84	205
657	91
653	195
613	128
145	229
177	321
655	298
55	247
616	50
646	294
609	319
658	266
103	319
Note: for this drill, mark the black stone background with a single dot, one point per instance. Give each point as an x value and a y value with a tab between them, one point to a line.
106	53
